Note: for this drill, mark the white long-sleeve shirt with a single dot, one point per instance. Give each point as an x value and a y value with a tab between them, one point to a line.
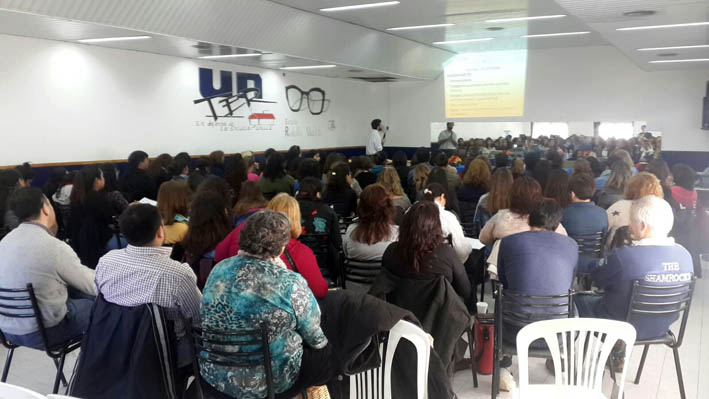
374	143
451	226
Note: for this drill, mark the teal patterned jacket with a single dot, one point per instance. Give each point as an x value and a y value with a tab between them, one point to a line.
240	293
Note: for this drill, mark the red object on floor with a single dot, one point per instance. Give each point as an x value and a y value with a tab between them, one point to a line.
484	344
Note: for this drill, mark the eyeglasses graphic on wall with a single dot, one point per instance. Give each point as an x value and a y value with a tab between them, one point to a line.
315	98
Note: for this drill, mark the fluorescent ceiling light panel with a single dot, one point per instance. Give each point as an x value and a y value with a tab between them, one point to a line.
360	6
665	26
216	57
685	60
557	34
309	67
674	47
491	21
484	39
421	27
112	39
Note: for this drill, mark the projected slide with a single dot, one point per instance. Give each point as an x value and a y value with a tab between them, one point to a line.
486	84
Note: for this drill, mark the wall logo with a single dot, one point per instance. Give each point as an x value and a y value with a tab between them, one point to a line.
248	92
315	97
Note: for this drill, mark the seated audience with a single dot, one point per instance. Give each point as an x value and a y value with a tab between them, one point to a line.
501	160
173	204
476	183
299	350
369	236
683	191
618	155
538	261
389	179
639	186
419	178
517	168
659	168
250	201
26	173
400	163
542	172
296	256
583	217
525	197
338	192
452	230
63	286
613	190
654	258
362	171
215	161
582	166
274	179
143	273
557	187
235	174
219	186
317	216
91	216
209	223
113	195
440	161
251	166
10	180
531	158
422	253
496	199
308	167
158	169
135	182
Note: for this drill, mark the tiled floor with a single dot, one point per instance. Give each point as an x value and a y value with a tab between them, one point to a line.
33	370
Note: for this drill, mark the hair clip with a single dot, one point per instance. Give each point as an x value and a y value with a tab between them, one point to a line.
427	191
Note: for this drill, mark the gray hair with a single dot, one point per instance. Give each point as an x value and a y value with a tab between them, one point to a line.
265	234
654	213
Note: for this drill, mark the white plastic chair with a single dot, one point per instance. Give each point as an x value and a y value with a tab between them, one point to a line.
585	344
15	392
368	384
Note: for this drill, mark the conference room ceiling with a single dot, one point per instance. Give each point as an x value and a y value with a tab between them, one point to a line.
297	33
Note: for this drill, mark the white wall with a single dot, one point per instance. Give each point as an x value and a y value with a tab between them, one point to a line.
62	102
575	84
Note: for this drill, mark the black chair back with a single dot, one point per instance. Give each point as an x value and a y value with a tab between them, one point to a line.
522	309
467	218
360	271
669	300
21	303
320	245
244	349
590	245
345	222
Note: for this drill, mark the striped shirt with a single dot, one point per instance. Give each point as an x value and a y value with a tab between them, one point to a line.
134	276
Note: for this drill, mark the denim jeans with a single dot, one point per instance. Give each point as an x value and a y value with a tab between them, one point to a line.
74	324
587	306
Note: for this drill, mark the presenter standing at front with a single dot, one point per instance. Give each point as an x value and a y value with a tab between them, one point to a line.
377	138
447	140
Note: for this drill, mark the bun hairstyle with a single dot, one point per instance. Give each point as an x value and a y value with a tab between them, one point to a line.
433	191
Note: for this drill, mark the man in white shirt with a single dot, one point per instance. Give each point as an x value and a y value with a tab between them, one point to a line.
377	137
447	139
63	286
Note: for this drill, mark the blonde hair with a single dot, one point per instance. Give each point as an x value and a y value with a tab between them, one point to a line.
642	185
478	174
288	206
421	172
389	178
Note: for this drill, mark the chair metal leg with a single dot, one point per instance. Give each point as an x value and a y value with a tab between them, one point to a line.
678	366
474	364
495	374
482	290
8	360
56	364
60	374
642	363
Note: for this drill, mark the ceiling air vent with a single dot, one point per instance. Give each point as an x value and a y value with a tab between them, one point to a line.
375	79
640	13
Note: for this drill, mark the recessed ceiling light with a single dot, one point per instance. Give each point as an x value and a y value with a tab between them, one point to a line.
557	34
112	39
484	39
216	57
667	54
640	13
674	47
490	21
355	71
309	67
360	6
690	24
685	60
420	27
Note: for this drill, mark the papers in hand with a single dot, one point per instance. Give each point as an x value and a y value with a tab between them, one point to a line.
148	201
475	243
